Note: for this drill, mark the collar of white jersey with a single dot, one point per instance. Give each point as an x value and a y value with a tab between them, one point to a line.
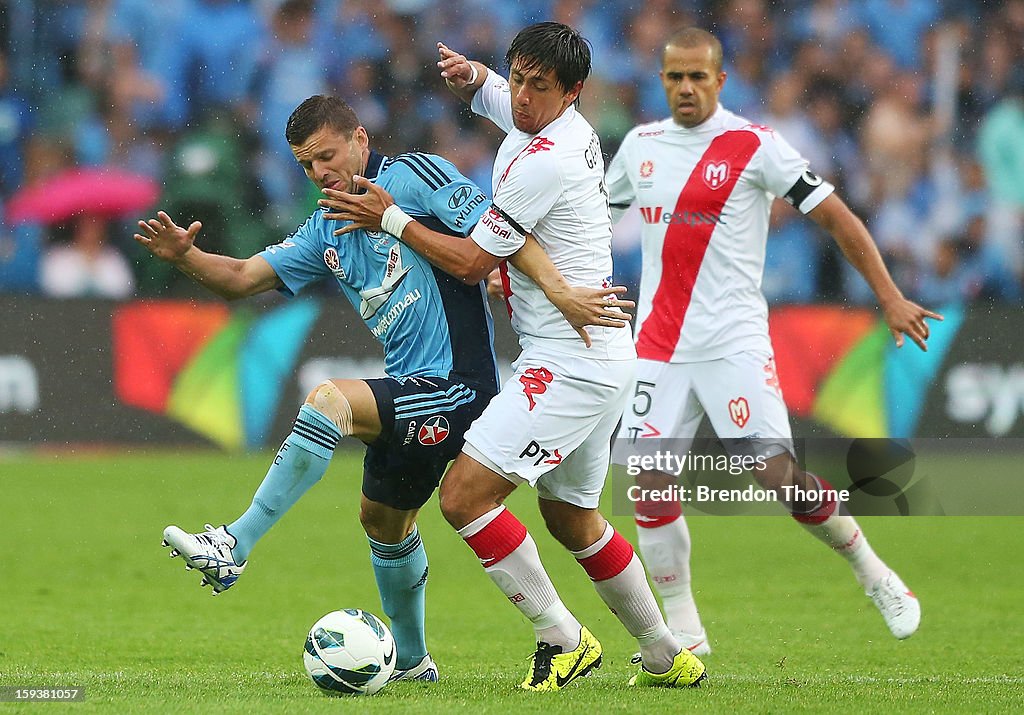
713	123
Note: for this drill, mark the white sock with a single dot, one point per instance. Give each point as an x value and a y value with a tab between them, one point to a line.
626	592
514	565
842	533
666	552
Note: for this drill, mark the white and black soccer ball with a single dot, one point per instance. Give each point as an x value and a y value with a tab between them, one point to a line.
350	652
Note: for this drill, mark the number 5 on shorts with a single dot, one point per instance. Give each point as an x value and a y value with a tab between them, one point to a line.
642	396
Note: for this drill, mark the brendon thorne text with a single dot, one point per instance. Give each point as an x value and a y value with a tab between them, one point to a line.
705	494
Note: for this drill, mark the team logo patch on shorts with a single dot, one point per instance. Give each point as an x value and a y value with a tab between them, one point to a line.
433	431
739	411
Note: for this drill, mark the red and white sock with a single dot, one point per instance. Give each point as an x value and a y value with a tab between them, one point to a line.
622	584
842	533
664	542
509	556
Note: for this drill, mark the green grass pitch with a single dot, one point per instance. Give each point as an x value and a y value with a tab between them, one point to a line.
88	598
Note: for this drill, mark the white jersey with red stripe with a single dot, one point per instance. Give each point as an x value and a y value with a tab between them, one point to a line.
705	194
550	185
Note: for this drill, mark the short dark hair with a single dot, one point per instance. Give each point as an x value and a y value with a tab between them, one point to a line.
317	112
690	37
552	46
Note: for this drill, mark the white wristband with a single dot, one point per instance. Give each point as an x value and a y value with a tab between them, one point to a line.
394	220
476	73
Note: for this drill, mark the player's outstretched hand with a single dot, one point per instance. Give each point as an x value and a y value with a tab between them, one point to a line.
455	68
363	210
165	239
905	317
594	306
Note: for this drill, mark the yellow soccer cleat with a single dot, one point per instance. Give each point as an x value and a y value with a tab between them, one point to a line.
551	669
687	671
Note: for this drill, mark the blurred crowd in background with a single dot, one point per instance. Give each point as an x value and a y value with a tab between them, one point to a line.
913	108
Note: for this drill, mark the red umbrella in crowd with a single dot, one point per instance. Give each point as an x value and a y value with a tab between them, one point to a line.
101	191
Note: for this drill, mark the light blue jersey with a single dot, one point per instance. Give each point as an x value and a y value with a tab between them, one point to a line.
428	322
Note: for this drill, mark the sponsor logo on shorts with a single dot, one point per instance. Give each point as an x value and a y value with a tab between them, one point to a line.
535	381
739	411
409	433
648	430
434	431
542	455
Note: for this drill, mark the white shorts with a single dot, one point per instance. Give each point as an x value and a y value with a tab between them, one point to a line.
740	395
552	423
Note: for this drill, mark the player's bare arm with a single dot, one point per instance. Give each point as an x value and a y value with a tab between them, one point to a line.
904	317
465	260
462	76
579	306
228	277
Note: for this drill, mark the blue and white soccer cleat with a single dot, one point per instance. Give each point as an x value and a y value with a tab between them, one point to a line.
209	552
425	671
898	605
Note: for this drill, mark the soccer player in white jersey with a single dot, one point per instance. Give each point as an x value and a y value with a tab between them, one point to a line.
551	424
704	180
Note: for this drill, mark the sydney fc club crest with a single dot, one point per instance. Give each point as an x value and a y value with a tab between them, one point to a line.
334	263
433	431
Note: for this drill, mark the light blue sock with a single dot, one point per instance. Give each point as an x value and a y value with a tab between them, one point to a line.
299	464
401	571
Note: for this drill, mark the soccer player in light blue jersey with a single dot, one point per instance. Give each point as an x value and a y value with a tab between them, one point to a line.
436	333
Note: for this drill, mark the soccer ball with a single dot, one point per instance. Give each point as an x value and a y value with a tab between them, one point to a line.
350	652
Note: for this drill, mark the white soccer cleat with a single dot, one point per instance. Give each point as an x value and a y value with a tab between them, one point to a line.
898	605
208	552
696	644
425	671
